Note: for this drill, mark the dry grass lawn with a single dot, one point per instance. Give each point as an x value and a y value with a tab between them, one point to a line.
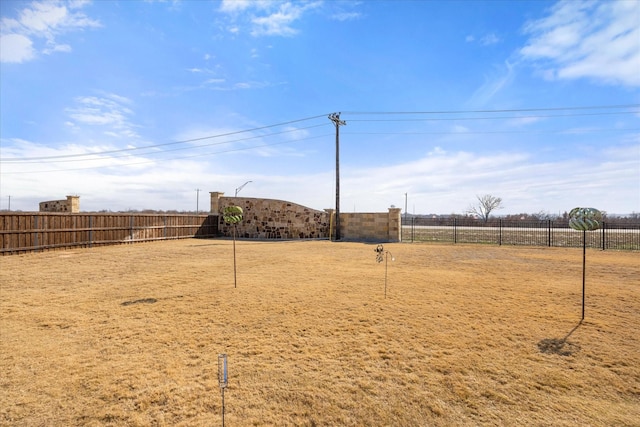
467	335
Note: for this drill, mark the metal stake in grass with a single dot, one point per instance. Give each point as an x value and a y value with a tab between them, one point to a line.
584	219
382	255
223	378
233	215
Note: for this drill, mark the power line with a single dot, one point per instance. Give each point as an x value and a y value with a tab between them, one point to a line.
13	159
515	110
74	157
127	151
581	131
494	118
174	158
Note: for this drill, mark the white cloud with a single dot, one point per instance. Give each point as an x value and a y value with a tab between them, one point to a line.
434	181
596	40
486	40
526	185
109	112
494	83
489	39
266	18
40	23
346	16
16	48
230	6
57	48
277	23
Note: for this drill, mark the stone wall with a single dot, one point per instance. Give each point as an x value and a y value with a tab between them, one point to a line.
71	204
372	227
272	219
279	219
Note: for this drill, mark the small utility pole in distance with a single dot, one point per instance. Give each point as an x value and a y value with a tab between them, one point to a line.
405	206
197	200
335	118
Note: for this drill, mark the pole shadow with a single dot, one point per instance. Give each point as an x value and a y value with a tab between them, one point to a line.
560	346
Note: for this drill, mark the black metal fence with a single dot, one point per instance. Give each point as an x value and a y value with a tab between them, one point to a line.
620	236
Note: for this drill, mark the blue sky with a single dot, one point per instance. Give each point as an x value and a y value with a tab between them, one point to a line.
137	104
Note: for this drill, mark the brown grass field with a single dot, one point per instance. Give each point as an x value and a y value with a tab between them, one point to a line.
466	336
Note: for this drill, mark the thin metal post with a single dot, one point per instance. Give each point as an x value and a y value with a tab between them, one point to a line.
223	407
413	229
235	281
223	378
455	231
584	266
386	263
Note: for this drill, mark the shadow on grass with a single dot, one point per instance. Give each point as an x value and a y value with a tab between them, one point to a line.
559	346
140	301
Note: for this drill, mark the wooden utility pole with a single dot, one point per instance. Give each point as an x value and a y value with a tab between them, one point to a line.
335	118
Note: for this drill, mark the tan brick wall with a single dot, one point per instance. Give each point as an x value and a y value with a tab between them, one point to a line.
71	204
279	219
371	227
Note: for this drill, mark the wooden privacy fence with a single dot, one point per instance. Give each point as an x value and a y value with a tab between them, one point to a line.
29	232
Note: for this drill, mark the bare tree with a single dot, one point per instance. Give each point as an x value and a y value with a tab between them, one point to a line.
486	204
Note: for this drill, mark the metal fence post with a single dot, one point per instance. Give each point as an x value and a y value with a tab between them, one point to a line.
500	232
455	230
549	232
604	243
413	229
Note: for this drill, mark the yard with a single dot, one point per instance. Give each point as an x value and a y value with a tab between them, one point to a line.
467	335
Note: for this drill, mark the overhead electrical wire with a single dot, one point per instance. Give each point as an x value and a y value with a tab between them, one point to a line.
513	110
128	152
92	156
133	149
493	118
560	131
166	143
174	158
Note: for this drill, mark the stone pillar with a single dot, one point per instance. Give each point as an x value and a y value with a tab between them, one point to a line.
395	225
73	204
215	202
